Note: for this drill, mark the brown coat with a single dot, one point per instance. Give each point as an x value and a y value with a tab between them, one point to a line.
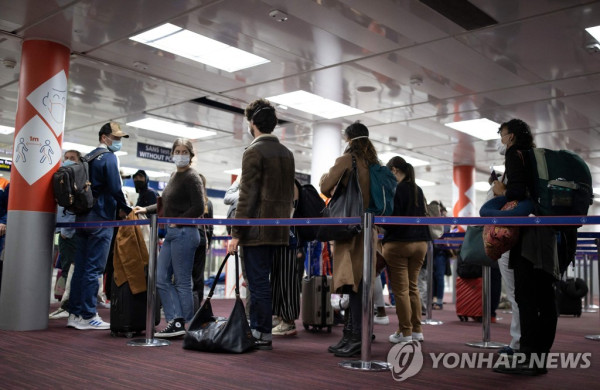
130	257
348	255
266	191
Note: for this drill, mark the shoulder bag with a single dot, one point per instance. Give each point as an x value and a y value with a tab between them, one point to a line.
208	333
346	202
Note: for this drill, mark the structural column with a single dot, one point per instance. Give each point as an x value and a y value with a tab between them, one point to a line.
463	191
37	155
326	148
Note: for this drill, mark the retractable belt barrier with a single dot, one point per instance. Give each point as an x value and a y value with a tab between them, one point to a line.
365	364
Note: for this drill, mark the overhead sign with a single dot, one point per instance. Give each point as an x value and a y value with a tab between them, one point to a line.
153	152
5	164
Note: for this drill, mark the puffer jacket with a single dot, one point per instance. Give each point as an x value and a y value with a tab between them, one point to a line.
266	191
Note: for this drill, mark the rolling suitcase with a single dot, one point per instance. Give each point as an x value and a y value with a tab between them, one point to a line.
317	312
128	311
568	296
468	299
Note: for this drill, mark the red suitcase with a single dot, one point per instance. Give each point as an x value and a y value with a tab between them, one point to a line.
468	299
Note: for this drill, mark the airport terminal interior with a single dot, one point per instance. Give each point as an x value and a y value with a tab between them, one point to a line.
431	79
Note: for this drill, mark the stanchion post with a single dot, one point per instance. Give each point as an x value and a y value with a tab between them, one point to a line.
596	337
150	341
429	303
487	315
365	364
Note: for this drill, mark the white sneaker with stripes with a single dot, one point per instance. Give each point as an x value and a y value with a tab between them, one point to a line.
92	323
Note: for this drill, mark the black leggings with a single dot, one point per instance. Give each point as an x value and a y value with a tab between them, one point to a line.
356	309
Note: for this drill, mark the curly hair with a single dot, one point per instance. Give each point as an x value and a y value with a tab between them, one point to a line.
261	113
359	144
522	132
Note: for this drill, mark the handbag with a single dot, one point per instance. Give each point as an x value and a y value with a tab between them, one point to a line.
208	333
345	202
500	239
472	250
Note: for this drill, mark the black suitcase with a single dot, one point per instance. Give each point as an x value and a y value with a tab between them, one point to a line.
128	311
317	312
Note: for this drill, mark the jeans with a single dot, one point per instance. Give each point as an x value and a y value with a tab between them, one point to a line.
93	245
176	259
258	261
404	261
439	272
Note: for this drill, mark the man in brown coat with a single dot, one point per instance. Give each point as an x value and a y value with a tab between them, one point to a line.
266	191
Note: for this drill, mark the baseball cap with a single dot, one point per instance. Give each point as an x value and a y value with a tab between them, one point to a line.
114	129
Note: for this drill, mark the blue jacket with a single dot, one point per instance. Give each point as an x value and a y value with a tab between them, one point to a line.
106	186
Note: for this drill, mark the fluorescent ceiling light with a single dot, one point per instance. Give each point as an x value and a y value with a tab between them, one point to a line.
415	162
424	183
314	104
85	149
171	128
196	47
482	128
6	130
482	186
237	171
156	174
595	32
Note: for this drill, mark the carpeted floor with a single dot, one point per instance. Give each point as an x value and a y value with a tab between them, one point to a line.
60	357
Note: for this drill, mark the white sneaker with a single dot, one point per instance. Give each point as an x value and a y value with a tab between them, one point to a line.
417	336
58	313
73	320
398	338
92	323
385	320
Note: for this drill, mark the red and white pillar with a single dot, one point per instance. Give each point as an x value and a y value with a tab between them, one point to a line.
463	192
31	207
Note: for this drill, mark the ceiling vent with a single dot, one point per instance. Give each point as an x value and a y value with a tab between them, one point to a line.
462	13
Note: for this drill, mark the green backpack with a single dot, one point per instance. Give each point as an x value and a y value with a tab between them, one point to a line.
562	182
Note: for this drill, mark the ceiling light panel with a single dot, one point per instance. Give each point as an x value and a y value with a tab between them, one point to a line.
415	162
196	47
171	128
482	128
6	130
314	104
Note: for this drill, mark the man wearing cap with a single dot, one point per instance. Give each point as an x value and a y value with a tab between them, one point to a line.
94	243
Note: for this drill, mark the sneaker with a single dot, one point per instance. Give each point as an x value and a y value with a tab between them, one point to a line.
285	329
381	320
73	320
417	336
507	350
398	338
91	323
58	313
276	320
174	328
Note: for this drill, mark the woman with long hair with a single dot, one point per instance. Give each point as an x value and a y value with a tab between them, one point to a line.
183	197
404	249
348	255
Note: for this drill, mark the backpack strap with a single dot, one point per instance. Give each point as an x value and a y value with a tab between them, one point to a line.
92	156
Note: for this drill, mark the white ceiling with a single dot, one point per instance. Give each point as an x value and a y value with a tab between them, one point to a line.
424	71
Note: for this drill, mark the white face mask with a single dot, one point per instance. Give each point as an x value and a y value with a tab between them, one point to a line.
181	160
500	147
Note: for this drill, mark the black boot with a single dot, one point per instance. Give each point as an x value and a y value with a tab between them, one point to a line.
346	333
351	348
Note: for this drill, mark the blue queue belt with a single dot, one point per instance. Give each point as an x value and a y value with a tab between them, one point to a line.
511	221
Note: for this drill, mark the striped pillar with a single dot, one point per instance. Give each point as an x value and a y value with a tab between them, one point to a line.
463	192
39	126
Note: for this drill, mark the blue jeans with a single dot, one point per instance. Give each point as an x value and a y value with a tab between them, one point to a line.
93	245
258	261
492	207
176	258
439	271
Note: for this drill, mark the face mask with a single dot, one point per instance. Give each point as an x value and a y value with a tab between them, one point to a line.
181	160
139	186
500	147
66	163
116	146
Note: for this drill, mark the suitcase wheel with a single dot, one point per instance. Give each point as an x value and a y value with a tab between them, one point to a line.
114	334
463	318
129	335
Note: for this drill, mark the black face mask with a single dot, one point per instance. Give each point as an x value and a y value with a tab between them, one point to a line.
140	186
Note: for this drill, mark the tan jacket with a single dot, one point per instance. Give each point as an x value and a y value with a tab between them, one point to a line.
130	257
348	255
266	191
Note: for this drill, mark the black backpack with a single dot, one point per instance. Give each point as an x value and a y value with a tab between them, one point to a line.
72	186
310	205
